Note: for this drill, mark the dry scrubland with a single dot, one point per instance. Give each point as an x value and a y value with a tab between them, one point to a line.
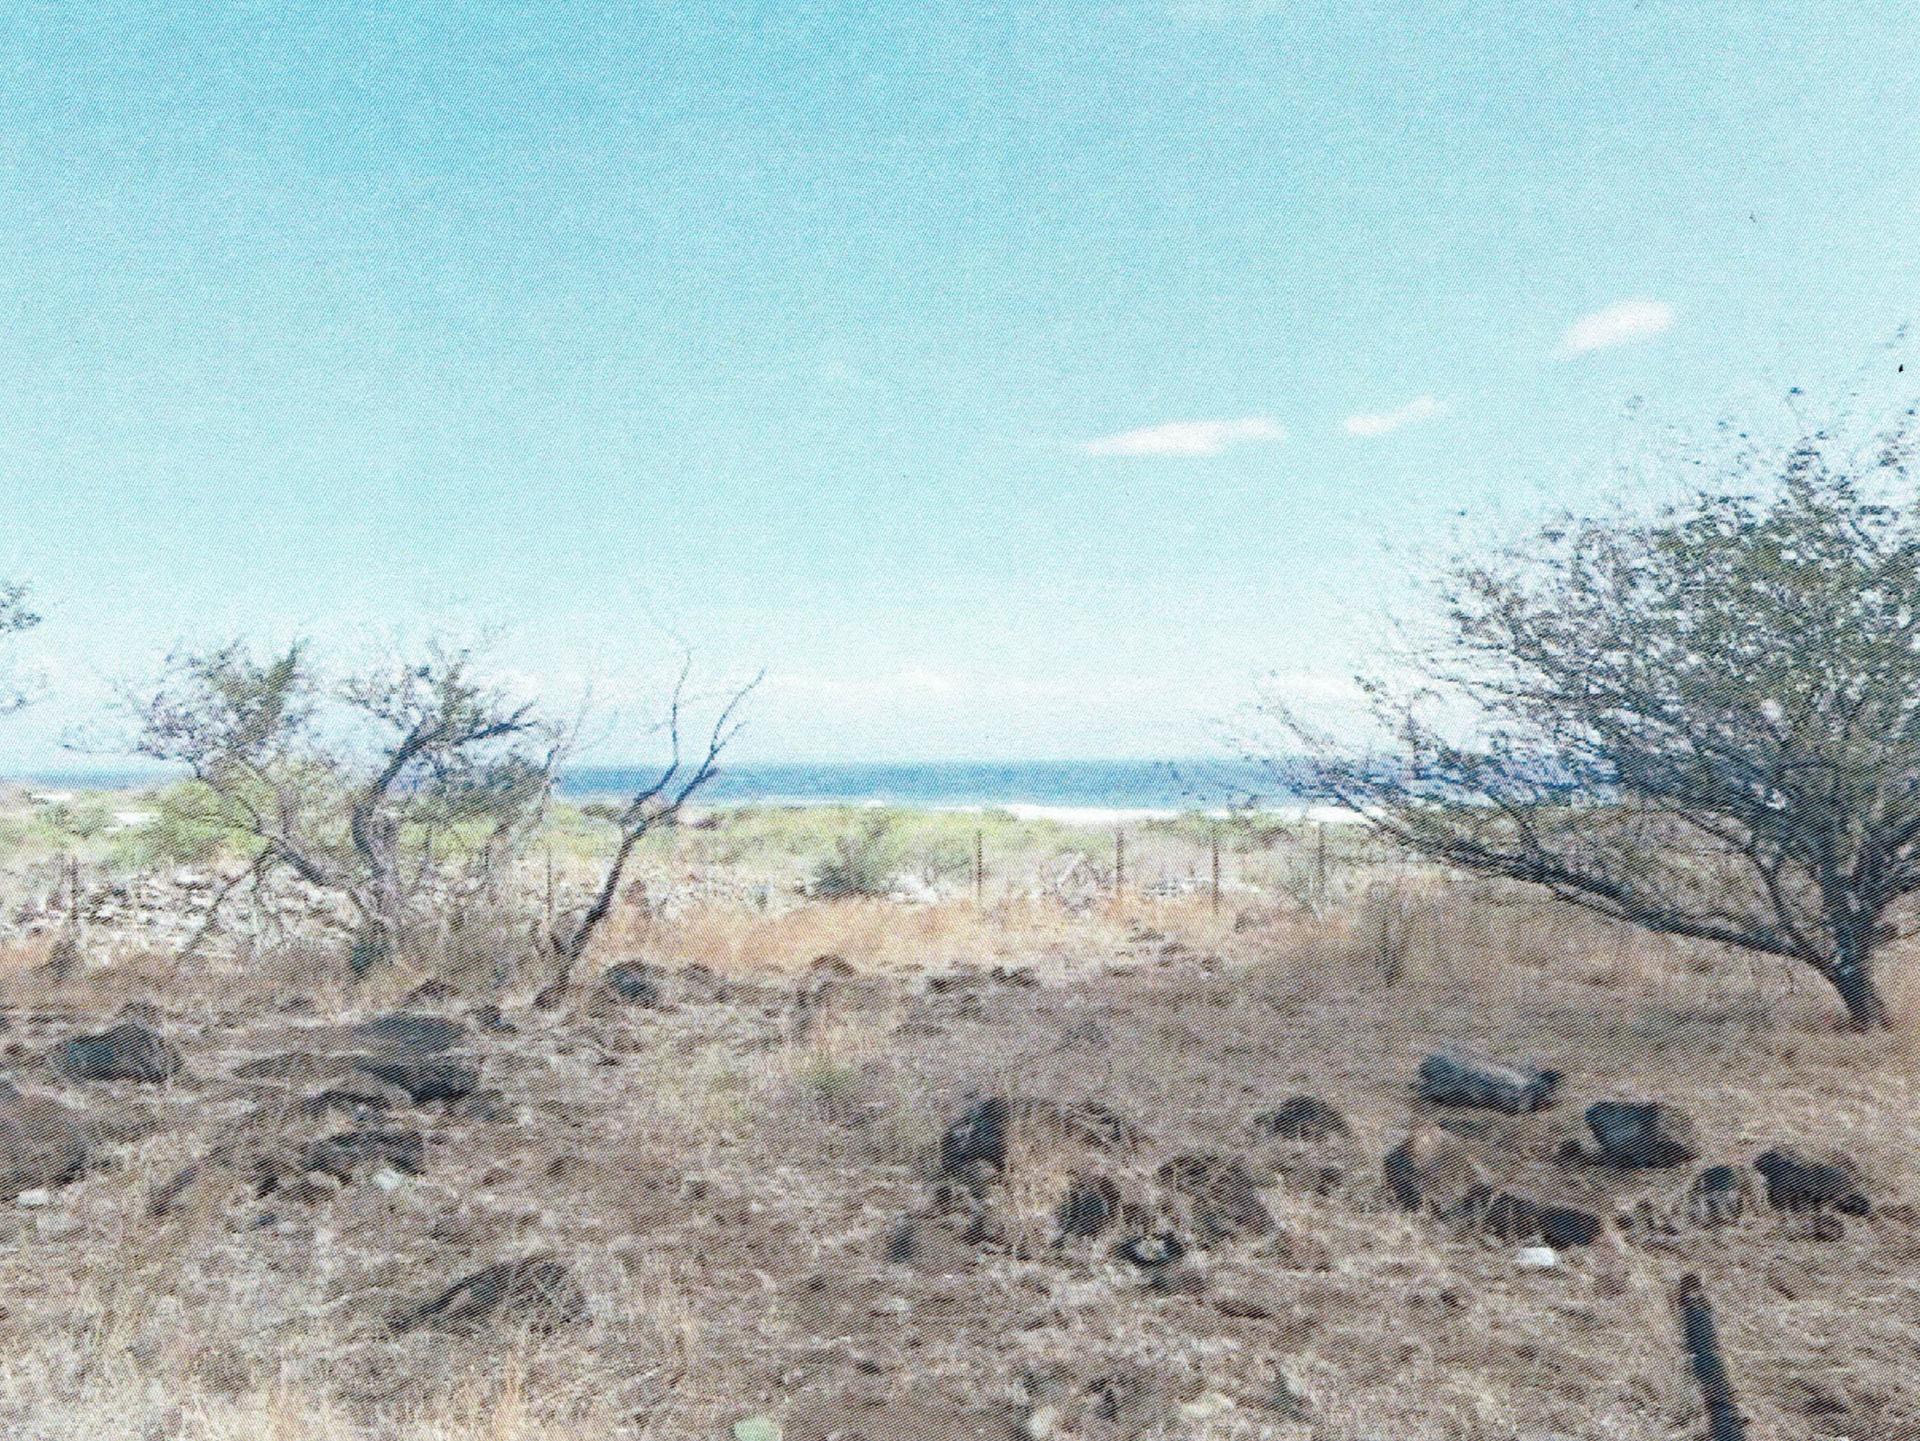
738	1165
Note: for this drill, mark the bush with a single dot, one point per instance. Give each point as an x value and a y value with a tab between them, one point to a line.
863	863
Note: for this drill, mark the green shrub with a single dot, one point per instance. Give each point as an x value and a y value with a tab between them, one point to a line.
863	863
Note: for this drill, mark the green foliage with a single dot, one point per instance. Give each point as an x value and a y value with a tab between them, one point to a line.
82	820
187	828
357	784
864	862
1705	721
15	616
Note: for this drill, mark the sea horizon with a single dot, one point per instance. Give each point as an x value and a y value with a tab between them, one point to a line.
1126	785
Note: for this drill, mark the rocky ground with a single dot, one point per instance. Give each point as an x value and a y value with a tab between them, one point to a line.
1192	1188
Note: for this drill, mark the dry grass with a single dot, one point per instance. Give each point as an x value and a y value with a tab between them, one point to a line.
723	1177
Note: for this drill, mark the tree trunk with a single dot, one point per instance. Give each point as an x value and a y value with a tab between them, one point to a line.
1852	977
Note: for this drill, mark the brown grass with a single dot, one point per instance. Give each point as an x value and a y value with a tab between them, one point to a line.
722	1178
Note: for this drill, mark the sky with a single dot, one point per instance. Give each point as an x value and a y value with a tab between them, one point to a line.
1008	381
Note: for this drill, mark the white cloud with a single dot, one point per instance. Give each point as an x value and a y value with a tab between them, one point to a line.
1421	407
1188	437
912	681
1623	321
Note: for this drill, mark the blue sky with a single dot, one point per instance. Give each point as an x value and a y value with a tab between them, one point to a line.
1010	381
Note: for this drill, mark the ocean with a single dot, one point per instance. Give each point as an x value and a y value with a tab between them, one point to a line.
1080	785
1130	785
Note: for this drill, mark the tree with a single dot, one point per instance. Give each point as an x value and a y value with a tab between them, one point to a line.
15	616
342	784
655	805
1705	722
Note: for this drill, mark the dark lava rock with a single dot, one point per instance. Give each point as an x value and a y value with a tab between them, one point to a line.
1303	1118
1225	1198
126	1052
1512	1217
409	1033
1149	1252
1643	1135
361	1101
1431	1170
442	1078
42	1143
538	1294
1719	1196
1451	1078
977	1138
1092	1204
350	1152
1797	1181
634	982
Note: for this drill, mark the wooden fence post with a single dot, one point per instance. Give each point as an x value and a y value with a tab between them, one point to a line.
979	869
1216	870
1119	862
1320	865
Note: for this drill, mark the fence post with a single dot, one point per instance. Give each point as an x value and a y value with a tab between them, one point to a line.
1119	862
1216	870
549	888
1320	865
979	869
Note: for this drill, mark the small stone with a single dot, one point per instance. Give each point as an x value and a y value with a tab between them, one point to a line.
126	1052
1719	1196
1431	1170
1536	1258
1162	1248
1092	1204
406	1033
1453	1078
1643	1135
1800	1181
1041	1424
634	982
38	1196
978	1137
43	1144
1303	1118
349	1152
441	1078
